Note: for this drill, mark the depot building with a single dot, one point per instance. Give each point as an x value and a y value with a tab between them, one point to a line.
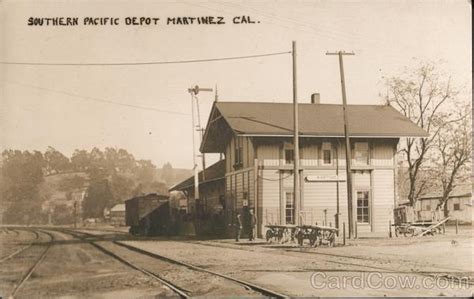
255	141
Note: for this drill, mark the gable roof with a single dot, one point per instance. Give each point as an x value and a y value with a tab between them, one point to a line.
315	120
462	190
212	173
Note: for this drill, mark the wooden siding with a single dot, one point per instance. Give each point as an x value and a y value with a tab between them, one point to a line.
319	196
274	177
382	199
268	155
269	197
382	154
309	155
247	153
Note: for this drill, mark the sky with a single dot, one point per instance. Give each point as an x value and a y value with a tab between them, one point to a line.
73	107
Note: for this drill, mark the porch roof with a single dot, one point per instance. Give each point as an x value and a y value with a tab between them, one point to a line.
212	173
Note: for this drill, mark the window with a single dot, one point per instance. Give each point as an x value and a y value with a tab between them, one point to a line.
238	159
327	153
238	156
428	208
457	207
363	207
361	153
289	156
289	208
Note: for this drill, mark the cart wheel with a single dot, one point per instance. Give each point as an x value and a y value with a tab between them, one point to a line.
410	232
312	240
300	238
398	231
268	236
331	242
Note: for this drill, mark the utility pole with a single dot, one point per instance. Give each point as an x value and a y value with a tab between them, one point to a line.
296	150
350	212
75	214
193	91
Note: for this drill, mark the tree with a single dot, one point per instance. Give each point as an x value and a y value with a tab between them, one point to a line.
126	162
22	174
423	96
122	187
145	172
168	174
98	197
56	162
80	160
452	157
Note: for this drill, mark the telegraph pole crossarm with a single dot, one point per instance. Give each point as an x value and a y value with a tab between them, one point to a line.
350	212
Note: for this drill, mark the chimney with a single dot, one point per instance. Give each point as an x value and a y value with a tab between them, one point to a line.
315	98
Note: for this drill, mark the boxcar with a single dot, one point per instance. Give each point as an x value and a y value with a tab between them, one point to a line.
147	215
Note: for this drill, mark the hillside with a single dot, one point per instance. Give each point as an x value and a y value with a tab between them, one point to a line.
177	175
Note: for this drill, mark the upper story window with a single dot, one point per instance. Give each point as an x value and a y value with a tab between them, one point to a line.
327	153
289	156
238	156
238	153
361	153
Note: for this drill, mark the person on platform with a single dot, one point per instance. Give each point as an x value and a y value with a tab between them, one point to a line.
253	224
238	227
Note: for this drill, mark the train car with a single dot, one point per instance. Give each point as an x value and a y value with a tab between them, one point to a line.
148	215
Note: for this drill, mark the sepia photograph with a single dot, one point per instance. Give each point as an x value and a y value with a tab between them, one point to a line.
271	148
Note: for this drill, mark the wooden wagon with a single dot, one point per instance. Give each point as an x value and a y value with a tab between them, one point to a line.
280	233
317	235
407	225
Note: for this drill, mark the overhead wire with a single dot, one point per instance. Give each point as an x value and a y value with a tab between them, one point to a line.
147	62
127	64
98	99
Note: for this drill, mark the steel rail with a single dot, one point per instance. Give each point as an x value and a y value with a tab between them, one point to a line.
178	290
30	271
18	251
447	277
248	285
262	290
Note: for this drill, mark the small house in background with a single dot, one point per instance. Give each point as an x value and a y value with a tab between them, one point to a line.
117	215
459	205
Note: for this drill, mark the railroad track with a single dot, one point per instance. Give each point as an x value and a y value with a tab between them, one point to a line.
358	259
262	290
179	291
20	250
30	271
247	285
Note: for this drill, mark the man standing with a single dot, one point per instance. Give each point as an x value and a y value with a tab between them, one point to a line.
238	227
253	224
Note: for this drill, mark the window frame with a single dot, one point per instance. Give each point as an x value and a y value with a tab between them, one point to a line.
238	153
458	206
326	147
357	149
292	161
291	208
361	208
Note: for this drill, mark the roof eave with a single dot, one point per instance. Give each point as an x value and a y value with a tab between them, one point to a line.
333	135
